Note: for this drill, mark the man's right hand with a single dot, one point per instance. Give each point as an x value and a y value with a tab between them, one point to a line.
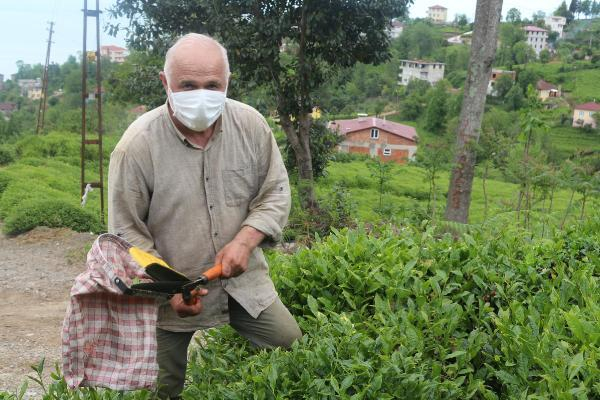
188	310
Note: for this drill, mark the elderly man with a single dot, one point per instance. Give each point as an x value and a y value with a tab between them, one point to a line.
199	181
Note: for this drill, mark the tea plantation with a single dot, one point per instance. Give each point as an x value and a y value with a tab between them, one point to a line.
388	311
408	313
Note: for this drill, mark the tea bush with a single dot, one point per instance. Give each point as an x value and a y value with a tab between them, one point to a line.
401	312
53	214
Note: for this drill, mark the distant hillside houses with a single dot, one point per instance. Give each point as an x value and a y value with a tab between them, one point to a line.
537	38
583	115
115	53
556	24
431	72
396	28
32	88
497	73
390	141
547	90
437	14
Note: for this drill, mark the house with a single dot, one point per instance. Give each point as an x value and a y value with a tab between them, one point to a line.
376	137
396	28
116	54
556	24
437	14
537	38
546	90
27	84
93	93
7	108
583	114
424	70
497	73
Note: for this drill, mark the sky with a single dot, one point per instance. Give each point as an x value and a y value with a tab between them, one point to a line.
24	26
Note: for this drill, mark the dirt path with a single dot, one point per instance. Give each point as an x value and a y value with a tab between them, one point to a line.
36	273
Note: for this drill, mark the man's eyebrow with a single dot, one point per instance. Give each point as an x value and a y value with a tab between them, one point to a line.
188	82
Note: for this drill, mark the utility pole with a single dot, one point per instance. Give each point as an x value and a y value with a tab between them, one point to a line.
42	109
86	186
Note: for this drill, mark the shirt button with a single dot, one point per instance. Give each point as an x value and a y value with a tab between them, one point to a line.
207	179
216	234
211	207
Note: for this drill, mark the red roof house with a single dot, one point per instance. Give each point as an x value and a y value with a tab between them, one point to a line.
377	137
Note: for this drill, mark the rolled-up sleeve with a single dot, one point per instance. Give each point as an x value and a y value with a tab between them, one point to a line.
269	210
128	201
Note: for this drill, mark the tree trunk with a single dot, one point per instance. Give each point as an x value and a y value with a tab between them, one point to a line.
483	51
300	142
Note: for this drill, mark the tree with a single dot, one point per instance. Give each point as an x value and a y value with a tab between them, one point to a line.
563	11
574	7
585	7
380	171
498	134
523	53
503	85
434	158
513	16
545	56
485	36
435	114
538	17
254	31
461	20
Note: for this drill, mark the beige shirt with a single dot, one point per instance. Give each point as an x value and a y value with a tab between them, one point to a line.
184	203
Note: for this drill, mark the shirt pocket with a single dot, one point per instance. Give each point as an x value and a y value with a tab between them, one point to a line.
239	185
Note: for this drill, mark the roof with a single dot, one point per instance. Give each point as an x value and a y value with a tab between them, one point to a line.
112	47
592	106
543	85
347	126
8	106
438	6
533	28
423	62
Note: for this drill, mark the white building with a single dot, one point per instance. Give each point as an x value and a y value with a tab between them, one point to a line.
437	14
115	53
556	24
424	70
396	28
537	38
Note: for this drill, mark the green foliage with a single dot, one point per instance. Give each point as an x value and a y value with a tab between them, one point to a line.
322	147
437	108
42	186
53	214
7	154
418	41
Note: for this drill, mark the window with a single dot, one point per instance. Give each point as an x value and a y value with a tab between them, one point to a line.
581	114
374	133
387	151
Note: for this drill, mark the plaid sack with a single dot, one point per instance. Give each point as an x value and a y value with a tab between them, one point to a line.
108	338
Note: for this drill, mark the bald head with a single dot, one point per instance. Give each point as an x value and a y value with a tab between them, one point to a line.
198	49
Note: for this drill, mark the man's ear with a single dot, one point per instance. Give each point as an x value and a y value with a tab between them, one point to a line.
163	79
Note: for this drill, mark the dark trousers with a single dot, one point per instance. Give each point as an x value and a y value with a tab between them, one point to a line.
274	327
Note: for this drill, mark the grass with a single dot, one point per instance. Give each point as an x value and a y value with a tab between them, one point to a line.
408	188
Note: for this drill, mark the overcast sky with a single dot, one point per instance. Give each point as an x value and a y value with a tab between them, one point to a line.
24	26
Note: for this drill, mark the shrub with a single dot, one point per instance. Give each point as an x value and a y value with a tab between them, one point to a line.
53	214
7	155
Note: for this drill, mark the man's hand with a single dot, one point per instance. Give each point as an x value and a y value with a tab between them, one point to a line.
188	310
234	256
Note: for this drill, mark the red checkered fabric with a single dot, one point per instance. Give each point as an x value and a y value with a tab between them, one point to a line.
108	338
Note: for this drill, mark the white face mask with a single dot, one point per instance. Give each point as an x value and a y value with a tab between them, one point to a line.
197	109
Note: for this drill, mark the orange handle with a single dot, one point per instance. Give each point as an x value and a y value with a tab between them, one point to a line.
214	272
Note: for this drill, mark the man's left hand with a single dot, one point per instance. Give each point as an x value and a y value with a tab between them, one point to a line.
235	255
